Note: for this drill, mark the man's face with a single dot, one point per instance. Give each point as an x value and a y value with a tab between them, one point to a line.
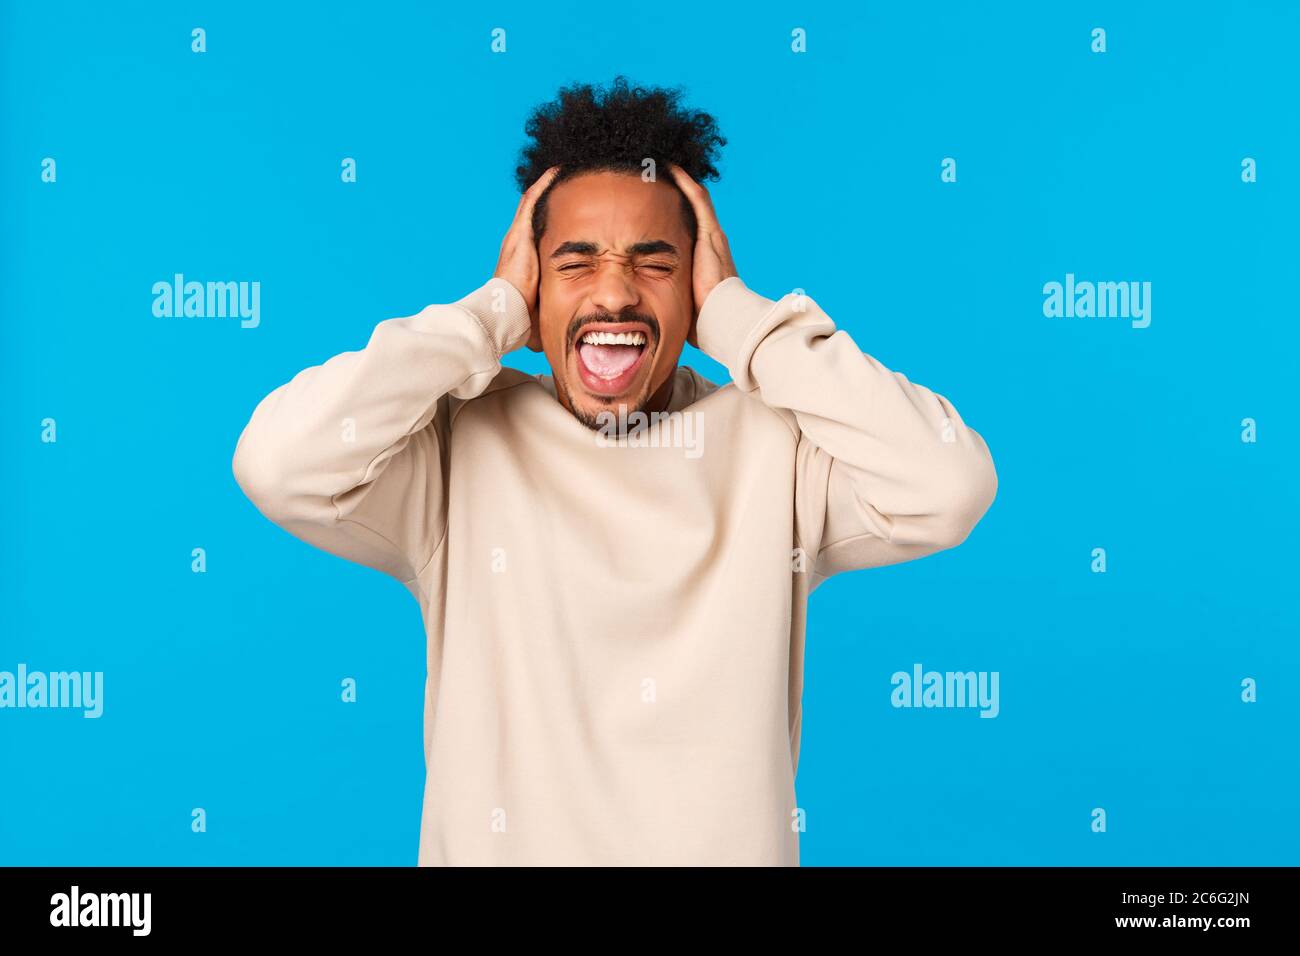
614	296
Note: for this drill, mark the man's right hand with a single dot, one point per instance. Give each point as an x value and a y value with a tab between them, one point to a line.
518	263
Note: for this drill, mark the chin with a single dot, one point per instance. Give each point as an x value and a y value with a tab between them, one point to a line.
595	414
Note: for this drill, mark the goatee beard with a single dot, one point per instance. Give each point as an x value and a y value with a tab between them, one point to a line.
594	420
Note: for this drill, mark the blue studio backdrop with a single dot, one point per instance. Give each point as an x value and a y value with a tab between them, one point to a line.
924	172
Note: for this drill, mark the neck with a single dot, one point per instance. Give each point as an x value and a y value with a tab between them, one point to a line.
660	400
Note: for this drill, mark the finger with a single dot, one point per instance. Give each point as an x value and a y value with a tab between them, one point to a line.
536	189
514	220
698	196
529	195
532	194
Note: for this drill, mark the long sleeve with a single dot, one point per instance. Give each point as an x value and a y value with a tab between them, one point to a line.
348	455
886	470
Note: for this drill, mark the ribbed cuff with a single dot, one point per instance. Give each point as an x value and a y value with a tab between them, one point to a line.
502	312
731	314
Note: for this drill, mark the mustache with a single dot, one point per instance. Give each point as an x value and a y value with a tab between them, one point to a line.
580	322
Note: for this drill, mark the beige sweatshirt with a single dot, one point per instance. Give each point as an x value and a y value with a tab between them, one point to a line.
615	624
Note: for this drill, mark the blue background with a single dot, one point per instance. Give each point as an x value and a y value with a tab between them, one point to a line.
1118	690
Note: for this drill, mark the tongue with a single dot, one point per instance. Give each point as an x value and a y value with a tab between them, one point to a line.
608	361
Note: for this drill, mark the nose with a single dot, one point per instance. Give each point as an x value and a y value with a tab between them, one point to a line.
614	290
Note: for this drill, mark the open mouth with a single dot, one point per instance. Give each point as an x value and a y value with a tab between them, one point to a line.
609	357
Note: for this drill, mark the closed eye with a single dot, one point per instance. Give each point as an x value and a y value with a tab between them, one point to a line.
659	267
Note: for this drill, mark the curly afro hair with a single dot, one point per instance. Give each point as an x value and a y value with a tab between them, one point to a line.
589	128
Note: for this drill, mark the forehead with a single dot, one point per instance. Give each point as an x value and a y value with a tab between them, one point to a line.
612	209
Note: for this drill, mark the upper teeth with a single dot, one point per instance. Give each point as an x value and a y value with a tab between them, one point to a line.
614	338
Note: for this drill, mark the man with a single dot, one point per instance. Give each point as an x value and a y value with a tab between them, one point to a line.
613	560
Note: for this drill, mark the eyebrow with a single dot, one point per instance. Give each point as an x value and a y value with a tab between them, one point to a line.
584	248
